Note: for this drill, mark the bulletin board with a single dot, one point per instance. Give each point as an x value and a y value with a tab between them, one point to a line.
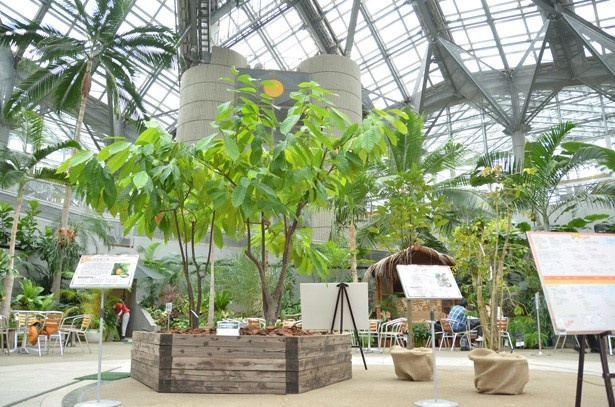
577	272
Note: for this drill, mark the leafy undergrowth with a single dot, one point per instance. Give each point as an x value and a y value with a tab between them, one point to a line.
268	331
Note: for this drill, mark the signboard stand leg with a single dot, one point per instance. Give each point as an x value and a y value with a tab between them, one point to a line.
605	369
537	303
435	401
341	295
98	401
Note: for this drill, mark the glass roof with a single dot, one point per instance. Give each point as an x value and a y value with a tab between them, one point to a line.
450	58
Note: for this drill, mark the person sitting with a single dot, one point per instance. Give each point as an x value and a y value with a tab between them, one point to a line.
459	320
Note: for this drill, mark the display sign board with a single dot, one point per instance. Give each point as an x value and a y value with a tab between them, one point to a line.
227	328
318	302
577	272
428	281
105	271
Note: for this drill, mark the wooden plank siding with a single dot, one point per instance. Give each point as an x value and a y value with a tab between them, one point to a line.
187	363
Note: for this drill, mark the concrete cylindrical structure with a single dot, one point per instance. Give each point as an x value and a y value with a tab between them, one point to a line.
341	76
202	91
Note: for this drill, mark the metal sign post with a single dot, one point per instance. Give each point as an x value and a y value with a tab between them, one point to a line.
101	272
537	301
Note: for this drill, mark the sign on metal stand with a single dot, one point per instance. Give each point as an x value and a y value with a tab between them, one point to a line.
429	283
103	272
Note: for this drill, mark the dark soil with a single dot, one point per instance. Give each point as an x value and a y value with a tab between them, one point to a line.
269	331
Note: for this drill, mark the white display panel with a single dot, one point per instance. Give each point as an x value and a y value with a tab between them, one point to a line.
577	272
105	271
318	302
428	281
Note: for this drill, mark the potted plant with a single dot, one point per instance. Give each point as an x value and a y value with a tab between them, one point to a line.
251	181
483	254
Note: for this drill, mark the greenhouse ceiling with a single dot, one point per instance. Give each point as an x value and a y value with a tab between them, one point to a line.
479	70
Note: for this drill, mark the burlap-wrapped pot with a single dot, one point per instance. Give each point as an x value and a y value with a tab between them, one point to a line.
412	364
499	373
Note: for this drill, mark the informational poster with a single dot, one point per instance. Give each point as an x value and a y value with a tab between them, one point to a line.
577	272
318	301
428	281
105	271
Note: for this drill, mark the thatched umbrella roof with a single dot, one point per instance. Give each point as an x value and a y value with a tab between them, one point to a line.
415	254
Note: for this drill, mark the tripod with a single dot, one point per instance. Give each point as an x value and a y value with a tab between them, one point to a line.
341	295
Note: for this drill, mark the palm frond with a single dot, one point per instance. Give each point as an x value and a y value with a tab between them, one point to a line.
43	153
49	174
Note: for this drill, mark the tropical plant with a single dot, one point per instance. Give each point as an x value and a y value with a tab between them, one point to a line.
547	164
483	249
410	199
61	248
156	184
99	40
244	184
19	167
30	297
90	303
6	220
27	228
240	277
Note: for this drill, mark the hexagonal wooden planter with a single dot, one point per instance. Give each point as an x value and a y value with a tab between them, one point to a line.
198	363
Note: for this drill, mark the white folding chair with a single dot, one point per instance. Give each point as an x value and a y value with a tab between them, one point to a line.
391	333
27	327
75	328
52	329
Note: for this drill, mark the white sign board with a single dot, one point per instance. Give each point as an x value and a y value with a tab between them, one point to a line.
577	272
318	301
428	282
227	328
105	271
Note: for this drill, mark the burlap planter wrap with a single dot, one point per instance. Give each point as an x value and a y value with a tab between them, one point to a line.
499	373
412	364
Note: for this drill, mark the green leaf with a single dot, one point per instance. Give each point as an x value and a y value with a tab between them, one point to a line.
224	111
338	118
140	179
239	195
75	160
114	149
231	148
288	123
118	160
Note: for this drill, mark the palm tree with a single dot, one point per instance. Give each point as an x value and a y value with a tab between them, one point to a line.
407	181
545	165
19	167
66	63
